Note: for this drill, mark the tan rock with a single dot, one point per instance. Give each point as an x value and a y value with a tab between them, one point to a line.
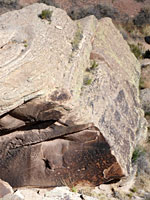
145	100
145	77
5	188
73	121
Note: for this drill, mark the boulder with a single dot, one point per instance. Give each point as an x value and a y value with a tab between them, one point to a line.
5	188
69	106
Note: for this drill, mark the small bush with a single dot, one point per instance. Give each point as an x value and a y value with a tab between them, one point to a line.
136	154
136	50
46	14
100	11
94	65
87	81
130	195
74	189
134	189
129	26
145	30
143	17
25	43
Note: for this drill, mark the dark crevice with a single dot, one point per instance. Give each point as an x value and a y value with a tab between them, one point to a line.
30	126
116	180
81	196
58	135
47	165
62	123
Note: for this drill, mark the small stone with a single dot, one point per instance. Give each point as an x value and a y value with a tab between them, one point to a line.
59	27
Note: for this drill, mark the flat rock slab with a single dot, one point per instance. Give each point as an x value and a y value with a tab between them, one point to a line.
69	105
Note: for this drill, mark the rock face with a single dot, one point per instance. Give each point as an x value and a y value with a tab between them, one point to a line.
69	104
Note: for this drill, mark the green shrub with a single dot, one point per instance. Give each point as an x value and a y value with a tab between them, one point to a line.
134	189
46	14
25	43
136	154
142	18
94	65
87	81
130	195
74	189
136	50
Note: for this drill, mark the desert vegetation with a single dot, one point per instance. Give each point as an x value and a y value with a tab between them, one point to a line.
93	66
46	14
143	18
138	151
100	11
87	81
136	50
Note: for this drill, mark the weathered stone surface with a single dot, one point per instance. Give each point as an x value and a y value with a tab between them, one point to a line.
145	100
57	193
63	119
144	62
115	96
57	162
15	196
5	188
145	77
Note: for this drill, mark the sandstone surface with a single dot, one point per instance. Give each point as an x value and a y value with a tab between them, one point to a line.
69	106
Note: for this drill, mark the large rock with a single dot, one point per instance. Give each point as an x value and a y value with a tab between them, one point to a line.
69	104
5	188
